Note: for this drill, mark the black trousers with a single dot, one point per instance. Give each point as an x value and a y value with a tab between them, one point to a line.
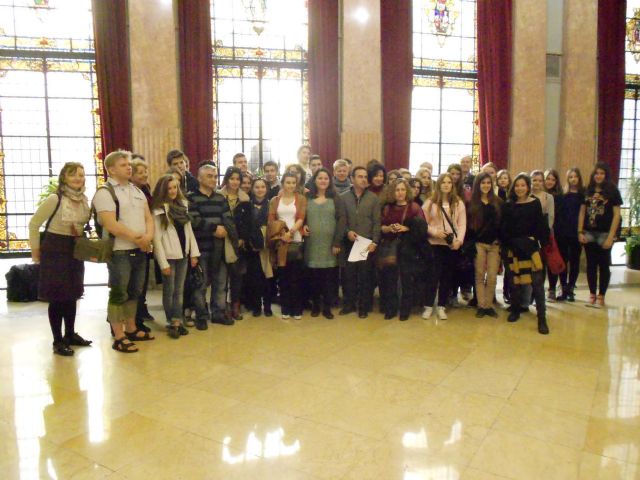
444	264
399	287
258	290
59	312
598	265
570	249
357	285
323	282
290	279
537	288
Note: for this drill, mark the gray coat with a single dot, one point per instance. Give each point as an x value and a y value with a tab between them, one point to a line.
363	216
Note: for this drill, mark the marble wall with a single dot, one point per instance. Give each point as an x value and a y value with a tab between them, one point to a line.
361	99
529	78
154	81
156	106
577	141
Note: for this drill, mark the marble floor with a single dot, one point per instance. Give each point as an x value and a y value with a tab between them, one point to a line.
319	399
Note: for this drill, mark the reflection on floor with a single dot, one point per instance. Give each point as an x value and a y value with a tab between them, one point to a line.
319	399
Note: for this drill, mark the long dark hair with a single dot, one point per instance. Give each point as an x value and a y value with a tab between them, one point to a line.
512	191
374	168
228	173
607	187
567	187
313	188
557	190
475	205
266	196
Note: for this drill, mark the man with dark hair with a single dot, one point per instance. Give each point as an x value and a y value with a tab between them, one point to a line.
315	164
361	209
271	170
240	161
177	158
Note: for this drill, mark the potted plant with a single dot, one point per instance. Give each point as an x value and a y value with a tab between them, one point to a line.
632	246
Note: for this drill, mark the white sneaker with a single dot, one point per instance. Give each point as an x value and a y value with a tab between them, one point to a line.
286	317
442	315
297	317
426	314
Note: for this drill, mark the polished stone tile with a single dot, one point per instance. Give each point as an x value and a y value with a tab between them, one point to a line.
346	399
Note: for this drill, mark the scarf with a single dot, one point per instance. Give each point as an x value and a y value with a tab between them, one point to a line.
342	186
376	190
76	212
74	195
178	213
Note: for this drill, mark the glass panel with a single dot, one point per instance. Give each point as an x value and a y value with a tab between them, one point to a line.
424	152
45	121
425	126
457	127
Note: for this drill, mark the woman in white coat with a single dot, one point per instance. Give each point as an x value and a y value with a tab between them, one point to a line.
174	245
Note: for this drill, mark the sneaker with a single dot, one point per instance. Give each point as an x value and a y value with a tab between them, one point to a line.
286	316
442	314
427	312
297	317
188	322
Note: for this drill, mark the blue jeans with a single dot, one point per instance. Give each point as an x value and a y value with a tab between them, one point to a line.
173	288
126	281
215	274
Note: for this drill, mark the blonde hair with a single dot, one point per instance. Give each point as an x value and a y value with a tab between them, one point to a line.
390	191
111	159
137	163
340	163
436	197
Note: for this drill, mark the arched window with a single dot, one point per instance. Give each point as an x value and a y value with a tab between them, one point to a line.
260	80
444	110
630	155
48	106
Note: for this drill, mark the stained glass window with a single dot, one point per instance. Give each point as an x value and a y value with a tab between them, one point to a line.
260	80
48	105
630	156
445	98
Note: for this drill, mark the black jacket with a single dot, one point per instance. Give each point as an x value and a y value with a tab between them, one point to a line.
414	250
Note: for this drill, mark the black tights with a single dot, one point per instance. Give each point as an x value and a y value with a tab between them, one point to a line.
59	311
598	258
570	249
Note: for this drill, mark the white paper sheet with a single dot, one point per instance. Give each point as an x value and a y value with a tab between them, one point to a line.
359	251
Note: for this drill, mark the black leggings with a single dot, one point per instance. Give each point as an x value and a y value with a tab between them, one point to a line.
323	282
570	249
291	288
444	263
598	258
59	311
258	289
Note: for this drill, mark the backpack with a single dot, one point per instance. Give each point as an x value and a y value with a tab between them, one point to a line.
22	282
94	214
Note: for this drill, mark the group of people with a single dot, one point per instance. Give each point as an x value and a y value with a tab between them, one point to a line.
258	239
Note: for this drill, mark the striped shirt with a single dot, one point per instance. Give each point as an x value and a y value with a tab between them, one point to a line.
207	213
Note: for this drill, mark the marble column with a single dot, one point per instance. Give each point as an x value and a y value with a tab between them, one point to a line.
154	81
578	121
529	79
361	99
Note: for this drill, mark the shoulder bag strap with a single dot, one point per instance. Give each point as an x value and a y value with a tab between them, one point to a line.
46	227
448	220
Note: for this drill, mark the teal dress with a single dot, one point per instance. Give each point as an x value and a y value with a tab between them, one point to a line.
321	220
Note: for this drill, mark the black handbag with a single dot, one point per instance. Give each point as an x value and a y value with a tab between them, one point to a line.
295	252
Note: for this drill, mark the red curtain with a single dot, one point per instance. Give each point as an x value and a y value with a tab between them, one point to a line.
112	72
324	80
196	80
396	29
495	42
611	81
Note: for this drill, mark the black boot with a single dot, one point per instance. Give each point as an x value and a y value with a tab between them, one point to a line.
315	309
326	312
543	328
514	316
